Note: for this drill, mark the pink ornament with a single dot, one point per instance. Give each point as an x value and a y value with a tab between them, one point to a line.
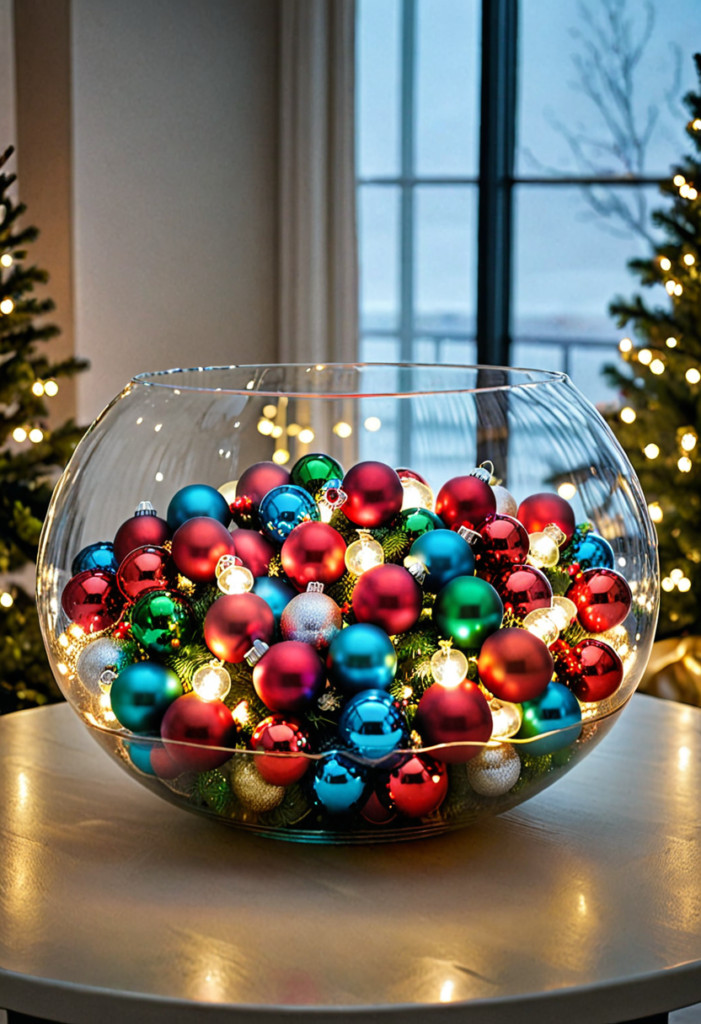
418	786
200	724
285	738
289	676
197	547
92	599
465	501
254	550
603	599
140	531
387	596
147	568
539	510
451	715
374	494
233	622
523	588
515	665
599	671
313	552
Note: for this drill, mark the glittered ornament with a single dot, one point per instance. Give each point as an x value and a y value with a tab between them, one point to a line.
372	724
593	552
162	621
101	660
95	556
194	501
523	588
495	770
254	550
465	501
289	676
259	478
280	739
233	622
198	545
191	727
556	711
388	596
92	599
417	521
445	554
374	494
312	617
144	569
506	503
454	716
603	599
505	543
418	785
539	510
339	784
313	552
314	470
142	693
361	657
515	665
252	789
467	610
284	508
599	671
275	593
143	529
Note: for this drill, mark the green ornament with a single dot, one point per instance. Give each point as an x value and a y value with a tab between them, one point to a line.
313	471
418	521
162	622
213	790
468	610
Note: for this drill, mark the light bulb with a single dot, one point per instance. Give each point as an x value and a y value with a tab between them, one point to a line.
657	366
372	423
628	415
416	494
651	450
625	345
342	429
6	260
542	624
38	388
306	435
211	681
645	355
671	342
448	665
693	376
6	306
656	513
6	599
265	427
567	491
363	554
689	259
281	456
19	434
688	441
544	548
684	464
36	435
233	578
678	180
51	388
270	411
506	718
665	263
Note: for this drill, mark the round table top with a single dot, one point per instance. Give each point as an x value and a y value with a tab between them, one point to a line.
583	904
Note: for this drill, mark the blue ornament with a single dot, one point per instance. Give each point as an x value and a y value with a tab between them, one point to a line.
141	695
361	657
372	724
593	552
95	556
285	507
197	500
275	593
140	756
445	554
339	784
556	708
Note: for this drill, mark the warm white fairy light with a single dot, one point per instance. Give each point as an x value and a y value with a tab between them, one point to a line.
38	388
281	456
6	260
665	264
692	375
306	435
506	718
625	345
684	190
689	259
6	306
363	554
36	435
678	180
656	513
684	464
684	584
448	665
645	356
567	490
542	624
628	415
688	441
696	124
651	450
6	599
211	681
19	434
293	429
678	289
277	431
417	494
372	423
671	342
265	427
270	411
50	388
234	579
657	367
342	429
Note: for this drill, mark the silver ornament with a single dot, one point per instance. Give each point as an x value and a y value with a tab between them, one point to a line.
494	771
101	660
312	618
251	788
506	503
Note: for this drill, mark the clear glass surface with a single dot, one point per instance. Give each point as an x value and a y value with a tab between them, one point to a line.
378	81
378	234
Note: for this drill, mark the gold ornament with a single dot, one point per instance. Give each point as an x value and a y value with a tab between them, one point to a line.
252	789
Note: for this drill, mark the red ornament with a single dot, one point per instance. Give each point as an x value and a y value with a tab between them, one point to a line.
92	599
255	482
281	736
379	809
140	531
388	596
233	622
523	588
143	569
603	599
457	714
199	724
539	510
418	786
162	764
410	474
289	676
600	671
566	662
198	545
254	550
313	552
465	501
515	665
375	494
505	543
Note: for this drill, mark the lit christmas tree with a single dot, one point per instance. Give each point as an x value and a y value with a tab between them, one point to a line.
659	422
31	453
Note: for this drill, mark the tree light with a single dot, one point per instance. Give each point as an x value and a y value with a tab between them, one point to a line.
625	345
306	435
342	429
36	435
6	306
651	450
667	584
19	434
265	427
448	665
684	191
657	366
645	355
656	513
51	388
628	415
678	289
689	259
270	411
688	441
363	554
684	464
6	599
37	388
684	584
671	342
6	260
567	491
671	287
678	180
693	376
211	681
665	264
281	456
696	124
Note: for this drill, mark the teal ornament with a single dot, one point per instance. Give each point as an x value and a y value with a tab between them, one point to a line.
197	500
275	593
361	657
556	710
102	659
339	784
593	552
285	507
312	472
372	724
446	555
417	521
95	556
142	693
140	756
162	622
468	610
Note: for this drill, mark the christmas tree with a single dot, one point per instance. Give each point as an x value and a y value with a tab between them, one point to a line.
31	452
658	423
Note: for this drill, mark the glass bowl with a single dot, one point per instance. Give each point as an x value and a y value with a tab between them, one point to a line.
348	603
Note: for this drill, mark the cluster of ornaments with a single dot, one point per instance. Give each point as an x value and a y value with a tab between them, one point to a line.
377	636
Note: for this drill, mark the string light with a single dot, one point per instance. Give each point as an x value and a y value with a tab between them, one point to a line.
270	411
671	342
211	681
37	388
689	259
6	599
372	423
19	434
363	554
50	388
625	345
277	431
655	510
678	180
342	429
567	491
693	376
306	435
671	287
684	191
651	450
448	665
696	124
665	264
265	427
281	456
293	429
628	415
684	464
657	366
688	441
36	435
678	289
6	260
645	355
6	306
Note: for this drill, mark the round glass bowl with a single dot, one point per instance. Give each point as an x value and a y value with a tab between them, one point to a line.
348	603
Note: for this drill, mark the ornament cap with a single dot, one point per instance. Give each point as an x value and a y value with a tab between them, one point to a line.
255	653
485	471
471	536
417	569
145	508
553	531
315	587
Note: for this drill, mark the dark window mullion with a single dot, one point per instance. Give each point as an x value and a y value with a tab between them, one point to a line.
406	240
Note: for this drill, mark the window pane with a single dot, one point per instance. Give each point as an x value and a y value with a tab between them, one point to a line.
377	86
562	127
447	87
444	350
445	257
378	237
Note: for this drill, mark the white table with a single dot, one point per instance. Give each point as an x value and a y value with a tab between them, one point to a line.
582	905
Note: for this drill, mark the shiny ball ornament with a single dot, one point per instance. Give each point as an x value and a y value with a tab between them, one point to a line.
506	503
255	792
142	693
593	552
312	618
142	530
197	500
504	543
101	660
163	766
544	623
275	593
254	550
374	494
233	622
92	600
515	665
283	509
313	471
95	556
556	711
372	724
599	672
379	808
467	610
388	596
417	491
289	676
211	681
283	744
191	725
445	554
418	786
506	718
539	510
451	716
140	756
313	553
495	770
523	588
255	481
465	501
544	547
339	784
145	569
361	657
603	599
417	521
162	621
197	547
